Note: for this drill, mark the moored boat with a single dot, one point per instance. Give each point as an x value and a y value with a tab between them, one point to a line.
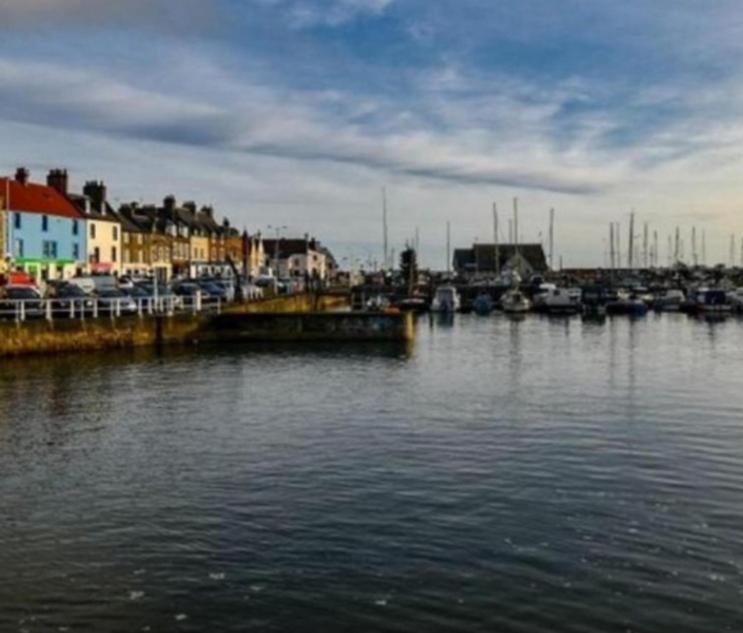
446	300
515	302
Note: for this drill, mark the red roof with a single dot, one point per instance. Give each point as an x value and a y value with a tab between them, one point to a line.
33	198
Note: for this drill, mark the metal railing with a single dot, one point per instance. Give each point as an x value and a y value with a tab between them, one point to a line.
104	307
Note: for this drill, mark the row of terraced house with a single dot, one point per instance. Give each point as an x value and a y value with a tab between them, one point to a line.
51	233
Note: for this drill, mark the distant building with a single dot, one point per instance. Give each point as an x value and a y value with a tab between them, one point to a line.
527	259
44	232
305	258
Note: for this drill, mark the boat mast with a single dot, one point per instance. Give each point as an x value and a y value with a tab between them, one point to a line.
448	248
631	253
384	228
694	258
645	245
516	225
496	265
612	259
552	239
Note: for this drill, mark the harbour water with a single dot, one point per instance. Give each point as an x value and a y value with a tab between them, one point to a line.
525	475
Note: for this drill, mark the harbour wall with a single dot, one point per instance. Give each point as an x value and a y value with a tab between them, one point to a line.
293	318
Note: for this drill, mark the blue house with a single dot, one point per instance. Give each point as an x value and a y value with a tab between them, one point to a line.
44	232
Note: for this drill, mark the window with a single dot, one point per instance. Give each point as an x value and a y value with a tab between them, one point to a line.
113	254
49	249
44	223
75	227
17	222
18	245
96	255
116	233
76	251
92	230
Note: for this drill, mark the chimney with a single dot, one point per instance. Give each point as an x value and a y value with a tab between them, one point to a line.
21	175
96	191
169	208
57	179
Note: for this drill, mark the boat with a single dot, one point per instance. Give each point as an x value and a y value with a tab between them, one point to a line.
446	300
412	304
712	302
735	299
562	301
515	302
629	305
670	301
483	304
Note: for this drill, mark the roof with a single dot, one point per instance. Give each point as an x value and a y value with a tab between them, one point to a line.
90	211
482	256
35	198
288	246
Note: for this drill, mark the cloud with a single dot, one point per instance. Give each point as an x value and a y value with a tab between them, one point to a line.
308	13
269	122
180	17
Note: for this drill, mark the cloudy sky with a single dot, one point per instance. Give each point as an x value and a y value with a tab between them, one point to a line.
298	112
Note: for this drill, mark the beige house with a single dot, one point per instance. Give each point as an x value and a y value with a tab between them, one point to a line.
104	230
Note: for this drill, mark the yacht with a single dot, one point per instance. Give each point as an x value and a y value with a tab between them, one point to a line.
446	300
562	301
670	301
515	302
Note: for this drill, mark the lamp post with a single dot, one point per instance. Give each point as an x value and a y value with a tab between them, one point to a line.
278	230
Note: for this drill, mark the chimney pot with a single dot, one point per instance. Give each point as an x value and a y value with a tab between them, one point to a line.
21	175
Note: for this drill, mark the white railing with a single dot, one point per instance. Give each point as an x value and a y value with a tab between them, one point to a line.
101	307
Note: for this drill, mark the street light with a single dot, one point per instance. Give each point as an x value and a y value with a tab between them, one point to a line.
278	230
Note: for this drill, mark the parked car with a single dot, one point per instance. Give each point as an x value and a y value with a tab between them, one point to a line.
213	290
64	296
12	297
113	300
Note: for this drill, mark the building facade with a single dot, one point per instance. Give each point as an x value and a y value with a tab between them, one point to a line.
44	232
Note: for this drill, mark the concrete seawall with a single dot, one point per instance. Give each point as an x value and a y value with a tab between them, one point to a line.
278	319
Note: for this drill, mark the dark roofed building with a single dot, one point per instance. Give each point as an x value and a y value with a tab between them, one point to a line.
480	259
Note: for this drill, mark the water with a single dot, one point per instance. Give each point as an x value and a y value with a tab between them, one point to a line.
535	475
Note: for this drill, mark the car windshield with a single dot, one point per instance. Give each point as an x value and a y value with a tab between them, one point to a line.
111	293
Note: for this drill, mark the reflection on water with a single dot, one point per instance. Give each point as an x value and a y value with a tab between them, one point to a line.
510	475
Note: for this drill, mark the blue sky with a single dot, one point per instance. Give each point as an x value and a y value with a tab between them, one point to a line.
297	112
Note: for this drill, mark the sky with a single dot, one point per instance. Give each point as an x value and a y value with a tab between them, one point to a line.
296	113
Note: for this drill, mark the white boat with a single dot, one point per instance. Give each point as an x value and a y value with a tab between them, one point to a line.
670	301
446	300
515	302
563	301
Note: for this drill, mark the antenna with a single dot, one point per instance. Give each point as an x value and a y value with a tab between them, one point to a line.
384	227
